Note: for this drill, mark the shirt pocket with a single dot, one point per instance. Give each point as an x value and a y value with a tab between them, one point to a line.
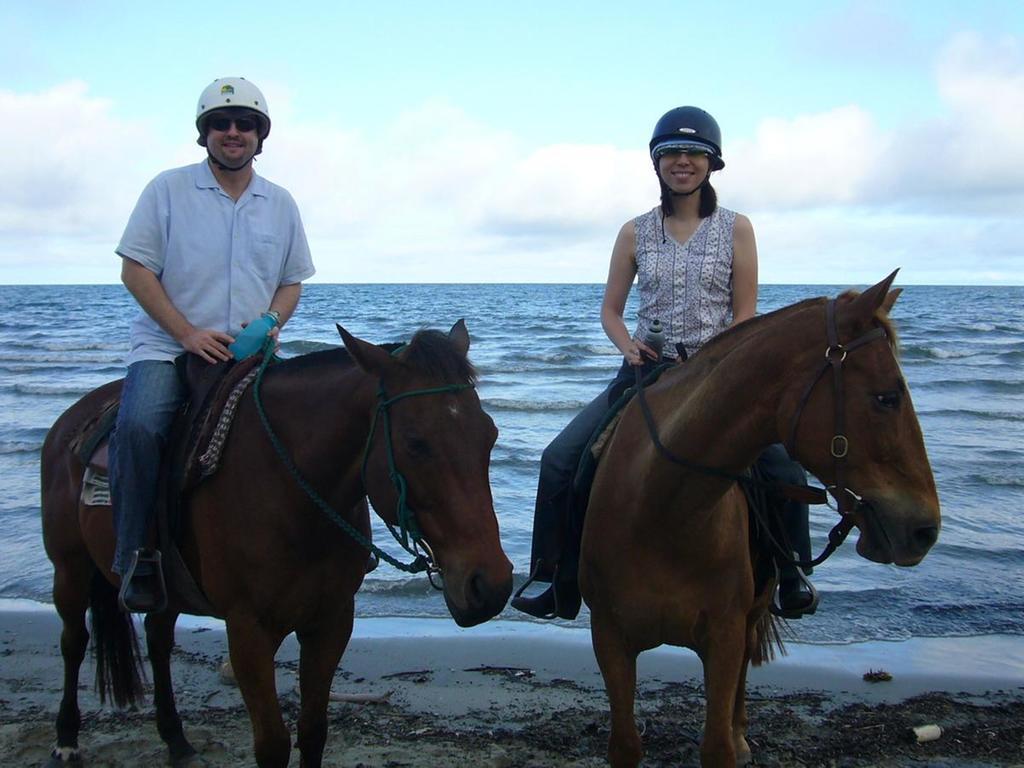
266	256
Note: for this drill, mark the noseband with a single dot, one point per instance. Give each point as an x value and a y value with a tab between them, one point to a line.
407	532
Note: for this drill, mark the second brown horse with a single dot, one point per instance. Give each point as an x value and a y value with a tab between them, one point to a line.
667	556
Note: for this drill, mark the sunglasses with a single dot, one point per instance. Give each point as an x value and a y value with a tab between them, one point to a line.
689	152
242	124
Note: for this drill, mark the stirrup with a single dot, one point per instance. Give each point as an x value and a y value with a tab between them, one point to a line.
788	613
152	558
520	603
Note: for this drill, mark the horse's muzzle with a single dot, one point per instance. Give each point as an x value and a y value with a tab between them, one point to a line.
894	532
478	597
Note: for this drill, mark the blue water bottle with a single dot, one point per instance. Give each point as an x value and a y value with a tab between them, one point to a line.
250	340
655	338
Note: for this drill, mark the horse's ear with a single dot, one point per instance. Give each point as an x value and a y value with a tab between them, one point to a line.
864	306
890	299
459	336
369	357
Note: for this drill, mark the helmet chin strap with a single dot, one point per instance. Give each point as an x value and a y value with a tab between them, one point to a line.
228	168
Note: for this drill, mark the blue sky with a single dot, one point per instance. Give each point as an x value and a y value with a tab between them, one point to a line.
476	142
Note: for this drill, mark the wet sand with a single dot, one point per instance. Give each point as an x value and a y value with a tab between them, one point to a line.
512	694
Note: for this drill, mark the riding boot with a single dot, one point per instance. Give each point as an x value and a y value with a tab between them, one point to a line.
797	596
142	587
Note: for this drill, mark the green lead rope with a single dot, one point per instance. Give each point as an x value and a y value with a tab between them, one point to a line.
420	564
408	534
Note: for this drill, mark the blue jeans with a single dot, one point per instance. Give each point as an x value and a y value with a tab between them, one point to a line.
150	399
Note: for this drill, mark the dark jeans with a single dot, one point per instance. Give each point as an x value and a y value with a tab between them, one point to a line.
552	521
152	394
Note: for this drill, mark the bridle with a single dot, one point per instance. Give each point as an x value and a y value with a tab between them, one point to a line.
839	445
407	532
848	502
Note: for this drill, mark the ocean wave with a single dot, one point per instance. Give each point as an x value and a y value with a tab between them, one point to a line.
20	446
303	347
82	358
48	389
546	368
540	406
996	480
996	386
970	413
52	369
910	352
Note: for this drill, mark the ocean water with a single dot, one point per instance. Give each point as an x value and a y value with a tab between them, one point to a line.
542	355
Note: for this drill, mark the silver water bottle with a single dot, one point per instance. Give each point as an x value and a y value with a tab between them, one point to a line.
655	338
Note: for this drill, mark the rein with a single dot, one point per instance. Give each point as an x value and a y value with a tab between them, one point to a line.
408	533
839	446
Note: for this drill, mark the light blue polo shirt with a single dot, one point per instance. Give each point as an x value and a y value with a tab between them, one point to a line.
219	261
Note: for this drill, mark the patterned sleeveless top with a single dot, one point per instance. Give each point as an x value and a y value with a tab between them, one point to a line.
686	286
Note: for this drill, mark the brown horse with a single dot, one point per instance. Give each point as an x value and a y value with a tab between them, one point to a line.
667	555
268	559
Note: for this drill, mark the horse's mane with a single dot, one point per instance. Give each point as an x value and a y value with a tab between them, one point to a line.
429	351
718	347
434	353
333	356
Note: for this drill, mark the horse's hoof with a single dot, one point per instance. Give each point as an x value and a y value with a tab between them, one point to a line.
62	757
226	674
195	760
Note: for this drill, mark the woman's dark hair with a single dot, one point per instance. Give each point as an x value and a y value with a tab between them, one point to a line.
708	199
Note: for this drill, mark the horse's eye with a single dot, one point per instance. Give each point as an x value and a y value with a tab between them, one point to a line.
889	400
417	447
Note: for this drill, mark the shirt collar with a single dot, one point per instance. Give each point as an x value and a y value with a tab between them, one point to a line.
205	179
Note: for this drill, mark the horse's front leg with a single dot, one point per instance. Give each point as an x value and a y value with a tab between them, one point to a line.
724	657
159	643
320	652
252	648
618	667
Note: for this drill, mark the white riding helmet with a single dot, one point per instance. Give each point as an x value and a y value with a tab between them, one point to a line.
227	93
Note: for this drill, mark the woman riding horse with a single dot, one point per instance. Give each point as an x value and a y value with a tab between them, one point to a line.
669	554
697	268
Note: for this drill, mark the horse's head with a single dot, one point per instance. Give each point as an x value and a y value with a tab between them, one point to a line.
885	462
432	433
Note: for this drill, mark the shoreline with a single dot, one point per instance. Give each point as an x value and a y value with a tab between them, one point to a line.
513	689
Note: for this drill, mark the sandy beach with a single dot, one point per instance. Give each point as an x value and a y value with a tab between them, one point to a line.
512	694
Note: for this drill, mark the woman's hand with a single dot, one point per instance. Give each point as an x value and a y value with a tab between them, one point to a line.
638	353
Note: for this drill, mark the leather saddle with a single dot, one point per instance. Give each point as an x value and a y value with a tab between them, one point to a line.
201	416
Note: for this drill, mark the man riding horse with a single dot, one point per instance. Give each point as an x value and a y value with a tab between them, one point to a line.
208	248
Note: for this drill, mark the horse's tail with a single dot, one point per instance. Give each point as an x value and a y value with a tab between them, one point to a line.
115	645
767	640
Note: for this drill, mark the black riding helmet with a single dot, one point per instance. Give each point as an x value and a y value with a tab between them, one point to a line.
688	127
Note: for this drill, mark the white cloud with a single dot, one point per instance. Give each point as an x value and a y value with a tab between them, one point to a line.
69	167
806	162
438	195
968	160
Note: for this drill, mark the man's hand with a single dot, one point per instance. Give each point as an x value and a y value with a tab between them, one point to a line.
209	345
